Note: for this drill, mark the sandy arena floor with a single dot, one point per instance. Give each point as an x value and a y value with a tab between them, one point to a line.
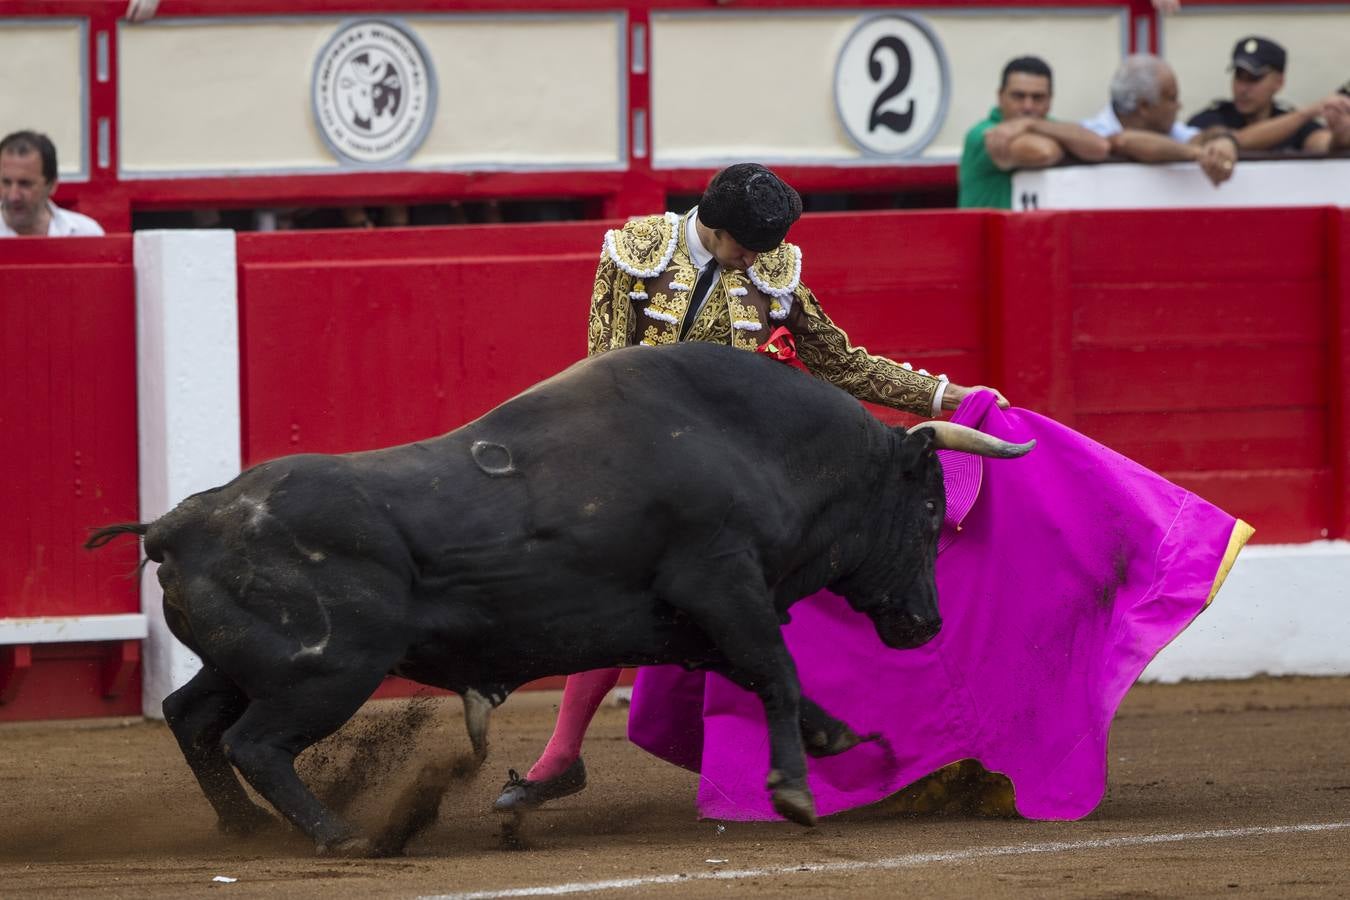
1218	789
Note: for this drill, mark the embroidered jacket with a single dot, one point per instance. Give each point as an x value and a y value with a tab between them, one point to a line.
642	291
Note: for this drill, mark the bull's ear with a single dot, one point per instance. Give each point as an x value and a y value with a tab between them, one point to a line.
916	449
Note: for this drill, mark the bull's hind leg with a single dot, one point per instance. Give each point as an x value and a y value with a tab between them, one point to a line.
198	713
726	596
265	741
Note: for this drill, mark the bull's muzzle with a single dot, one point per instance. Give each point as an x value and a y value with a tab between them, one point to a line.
907	631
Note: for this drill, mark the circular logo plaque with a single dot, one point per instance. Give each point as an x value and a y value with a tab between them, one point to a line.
891	86
374	92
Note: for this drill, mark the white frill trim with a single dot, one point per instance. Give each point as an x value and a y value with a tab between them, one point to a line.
783	293
658	316
906	366
778	312
637	295
738	291
746	325
679	286
612	249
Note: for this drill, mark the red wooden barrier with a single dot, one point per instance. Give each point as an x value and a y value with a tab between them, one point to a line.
1205	344
68	414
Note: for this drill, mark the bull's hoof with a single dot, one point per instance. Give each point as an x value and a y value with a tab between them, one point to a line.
822	743
792	800
521	793
348	848
513	831
246	822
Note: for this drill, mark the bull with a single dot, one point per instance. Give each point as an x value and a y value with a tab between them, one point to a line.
646	506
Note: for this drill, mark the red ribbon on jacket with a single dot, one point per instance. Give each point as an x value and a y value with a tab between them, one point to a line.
782	346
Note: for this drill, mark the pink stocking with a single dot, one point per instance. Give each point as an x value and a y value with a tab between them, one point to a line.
581	698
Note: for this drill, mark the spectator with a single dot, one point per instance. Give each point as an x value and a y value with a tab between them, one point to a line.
1258	120
1018	135
27	182
1141	121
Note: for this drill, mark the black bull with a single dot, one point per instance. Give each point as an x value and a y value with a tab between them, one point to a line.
643	507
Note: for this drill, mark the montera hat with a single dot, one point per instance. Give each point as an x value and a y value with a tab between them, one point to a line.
1258	55
752	204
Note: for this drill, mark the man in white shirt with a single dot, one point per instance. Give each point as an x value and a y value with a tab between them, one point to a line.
27	181
1141	122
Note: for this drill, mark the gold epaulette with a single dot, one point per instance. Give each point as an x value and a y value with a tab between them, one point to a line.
644	247
778	272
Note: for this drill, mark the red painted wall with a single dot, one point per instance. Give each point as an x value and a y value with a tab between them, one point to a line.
68	415
1199	343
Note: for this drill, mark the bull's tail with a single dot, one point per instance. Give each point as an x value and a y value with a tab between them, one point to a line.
107	533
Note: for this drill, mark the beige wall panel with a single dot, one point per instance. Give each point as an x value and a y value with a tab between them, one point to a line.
48	60
527	91
746	86
532	91
219	96
789	110
1199	45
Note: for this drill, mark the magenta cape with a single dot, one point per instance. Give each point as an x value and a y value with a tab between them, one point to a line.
1071	568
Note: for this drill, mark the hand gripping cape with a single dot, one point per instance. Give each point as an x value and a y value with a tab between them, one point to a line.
1060	575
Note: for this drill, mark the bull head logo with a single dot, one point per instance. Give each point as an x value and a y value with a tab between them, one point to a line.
371	92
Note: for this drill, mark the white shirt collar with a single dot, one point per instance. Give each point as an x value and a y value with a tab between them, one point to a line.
698	254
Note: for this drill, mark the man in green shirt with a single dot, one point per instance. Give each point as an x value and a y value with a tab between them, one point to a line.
1018	135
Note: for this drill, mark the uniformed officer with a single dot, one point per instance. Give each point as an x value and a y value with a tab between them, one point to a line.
1256	118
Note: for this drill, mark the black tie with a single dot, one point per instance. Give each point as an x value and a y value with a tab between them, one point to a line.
701	287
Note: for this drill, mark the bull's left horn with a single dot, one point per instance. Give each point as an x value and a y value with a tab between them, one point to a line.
950	436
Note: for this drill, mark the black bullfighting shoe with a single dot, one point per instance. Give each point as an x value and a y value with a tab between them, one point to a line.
521	793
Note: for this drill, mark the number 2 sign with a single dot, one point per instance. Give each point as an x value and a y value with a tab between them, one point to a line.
891	86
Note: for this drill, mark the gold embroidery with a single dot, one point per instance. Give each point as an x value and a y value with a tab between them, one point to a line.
660	334
643	246
713	325
778	271
668	309
742	314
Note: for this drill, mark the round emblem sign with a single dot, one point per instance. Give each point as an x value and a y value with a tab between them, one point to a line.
891	86
374	92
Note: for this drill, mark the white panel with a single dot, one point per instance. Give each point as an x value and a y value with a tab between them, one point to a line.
511	92
1314	182
770	95
219	97
1199	45
1284	610
72	629
187	341
48	60
528	91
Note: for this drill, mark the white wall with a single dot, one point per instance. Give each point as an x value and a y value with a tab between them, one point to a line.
187	362
1284	610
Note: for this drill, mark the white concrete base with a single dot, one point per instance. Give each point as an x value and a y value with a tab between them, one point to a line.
1284	610
187	348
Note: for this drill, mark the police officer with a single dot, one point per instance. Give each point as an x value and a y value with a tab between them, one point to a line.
1256	118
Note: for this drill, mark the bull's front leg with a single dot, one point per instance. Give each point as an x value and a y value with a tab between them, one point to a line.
727	599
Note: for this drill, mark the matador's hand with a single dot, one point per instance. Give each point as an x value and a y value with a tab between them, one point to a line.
955	393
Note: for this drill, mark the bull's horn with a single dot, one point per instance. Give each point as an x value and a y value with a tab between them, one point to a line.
950	436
